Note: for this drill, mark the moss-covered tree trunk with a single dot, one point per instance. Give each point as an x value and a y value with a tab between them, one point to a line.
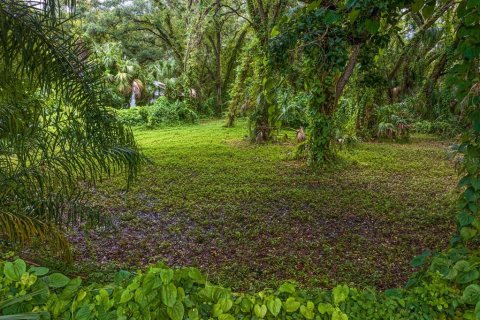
322	107
264	15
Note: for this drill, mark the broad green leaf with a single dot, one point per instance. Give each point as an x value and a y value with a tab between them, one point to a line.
180	293
195	274
308	311
193	314
475	181
417	5
126	296
331	17
287	288
226	316
477	310
166	275
475	116
274	306
352	16
225	303
394	293
420	259
464	219
260	311
476	223
83	313
246	305
57	280
71	289
168	294
140	298
467	276
121	276
325	308
176	312
463	272
468	233
339	315
216	310
470	194
219	293
39	271
340	294
275	32
372	26
471	294
427	11
291	305
14	271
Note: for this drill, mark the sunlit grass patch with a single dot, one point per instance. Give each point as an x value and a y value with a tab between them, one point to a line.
249	216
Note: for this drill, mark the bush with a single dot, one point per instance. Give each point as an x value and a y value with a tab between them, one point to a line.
132	117
292	109
439	127
447	289
161	113
394	120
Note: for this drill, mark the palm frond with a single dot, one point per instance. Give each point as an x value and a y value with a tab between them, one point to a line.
55	131
17	228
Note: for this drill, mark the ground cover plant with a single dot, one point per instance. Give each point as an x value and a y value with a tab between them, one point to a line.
212	200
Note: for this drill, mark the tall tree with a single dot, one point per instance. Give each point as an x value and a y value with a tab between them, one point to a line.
328	50
408	48
202	37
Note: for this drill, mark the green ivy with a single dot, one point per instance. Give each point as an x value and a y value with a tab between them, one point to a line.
446	290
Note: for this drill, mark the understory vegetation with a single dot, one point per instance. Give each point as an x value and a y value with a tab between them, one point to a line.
210	197
254	159
161	113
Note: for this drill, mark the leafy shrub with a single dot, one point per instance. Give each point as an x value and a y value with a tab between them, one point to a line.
394	120
207	108
345	123
442	128
161	113
447	289
292	109
132	117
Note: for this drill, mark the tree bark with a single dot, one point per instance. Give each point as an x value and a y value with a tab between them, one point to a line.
218	60
233	57
438	70
347	73
405	55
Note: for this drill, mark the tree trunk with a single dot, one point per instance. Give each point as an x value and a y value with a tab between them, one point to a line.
438	70
218	61
320	137
405	56
347	73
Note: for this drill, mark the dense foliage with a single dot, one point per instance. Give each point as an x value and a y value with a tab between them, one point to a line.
295	60
161	113
258	58
445	291
54	130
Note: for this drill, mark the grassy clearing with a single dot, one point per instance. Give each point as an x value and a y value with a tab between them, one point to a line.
250	218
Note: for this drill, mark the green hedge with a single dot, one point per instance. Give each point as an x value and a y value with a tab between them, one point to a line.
161	113
447	289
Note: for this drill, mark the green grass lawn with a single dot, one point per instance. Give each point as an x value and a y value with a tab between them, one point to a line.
250	217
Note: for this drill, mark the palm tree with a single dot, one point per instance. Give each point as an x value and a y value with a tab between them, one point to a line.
55	133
